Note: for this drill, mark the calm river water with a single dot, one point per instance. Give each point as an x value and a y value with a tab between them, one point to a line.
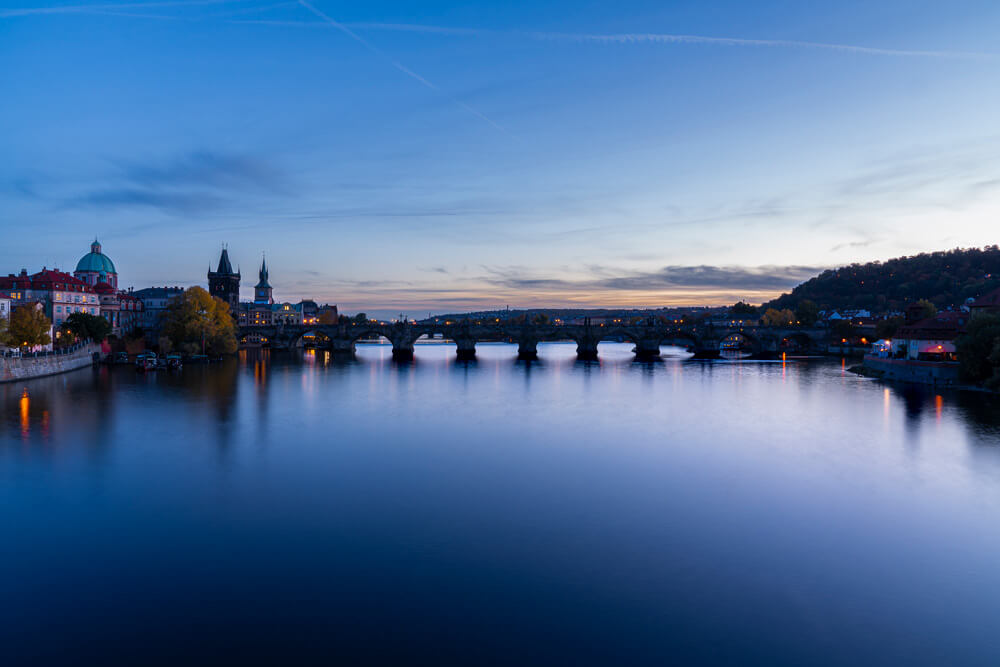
291	510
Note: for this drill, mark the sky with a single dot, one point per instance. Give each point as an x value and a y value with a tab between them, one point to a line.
424	157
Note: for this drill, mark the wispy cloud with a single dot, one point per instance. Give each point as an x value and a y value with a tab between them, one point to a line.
197	182
175	203
760	278
853	245
208	168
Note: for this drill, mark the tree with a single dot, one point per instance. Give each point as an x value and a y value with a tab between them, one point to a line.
28	327
978	350
360	318
945	278
807	312
927	309
843	330
85	325
742	309
778	318
887	328
196	320
165	344
540	318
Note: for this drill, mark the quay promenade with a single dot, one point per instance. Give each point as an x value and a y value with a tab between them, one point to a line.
28	366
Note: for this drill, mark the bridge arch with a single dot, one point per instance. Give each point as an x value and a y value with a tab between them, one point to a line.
797	341
679	338
755	342
297	338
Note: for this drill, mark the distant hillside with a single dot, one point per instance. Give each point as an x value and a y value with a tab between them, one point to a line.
944	278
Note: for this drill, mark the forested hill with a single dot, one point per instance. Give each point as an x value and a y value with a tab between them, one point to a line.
944	278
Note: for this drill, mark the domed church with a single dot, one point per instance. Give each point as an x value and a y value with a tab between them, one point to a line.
96	267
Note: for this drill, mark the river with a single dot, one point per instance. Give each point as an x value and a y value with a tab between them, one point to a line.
289	509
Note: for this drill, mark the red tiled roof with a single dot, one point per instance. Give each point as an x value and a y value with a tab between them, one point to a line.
46	279
943	326
15	282
50	276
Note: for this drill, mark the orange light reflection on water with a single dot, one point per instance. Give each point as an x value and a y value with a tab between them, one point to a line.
25	405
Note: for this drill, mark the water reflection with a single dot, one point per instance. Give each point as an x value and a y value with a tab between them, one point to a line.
692	512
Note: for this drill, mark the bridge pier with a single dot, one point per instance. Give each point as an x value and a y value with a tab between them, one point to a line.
586	349
647	350
402	350
466	348
342	347
527	350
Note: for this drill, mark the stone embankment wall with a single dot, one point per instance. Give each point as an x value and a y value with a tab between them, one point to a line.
25	368
911	370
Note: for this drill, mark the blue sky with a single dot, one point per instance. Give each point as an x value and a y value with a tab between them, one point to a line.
423	156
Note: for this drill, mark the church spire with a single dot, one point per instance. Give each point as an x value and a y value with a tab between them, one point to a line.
262	290
263	275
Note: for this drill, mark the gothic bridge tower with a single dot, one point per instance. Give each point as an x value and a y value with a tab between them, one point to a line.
262	290
225	283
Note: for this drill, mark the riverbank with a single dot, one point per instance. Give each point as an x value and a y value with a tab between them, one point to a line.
14	369
933	373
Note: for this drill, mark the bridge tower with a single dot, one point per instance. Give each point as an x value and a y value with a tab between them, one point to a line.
262	290
225	283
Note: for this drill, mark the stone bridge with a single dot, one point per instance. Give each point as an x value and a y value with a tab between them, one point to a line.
704	341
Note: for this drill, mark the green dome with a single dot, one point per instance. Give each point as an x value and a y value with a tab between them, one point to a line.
96	261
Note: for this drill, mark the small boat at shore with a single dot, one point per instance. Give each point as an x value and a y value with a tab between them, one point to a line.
145	361
173	362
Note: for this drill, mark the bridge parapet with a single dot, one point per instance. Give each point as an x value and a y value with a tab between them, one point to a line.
647	336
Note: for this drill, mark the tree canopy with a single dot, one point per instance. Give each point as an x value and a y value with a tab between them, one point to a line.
925	309
979	351
28	327
195	320
807	312
778	318
742	309
85	325
943	278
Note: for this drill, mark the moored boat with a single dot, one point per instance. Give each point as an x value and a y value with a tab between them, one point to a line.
146	361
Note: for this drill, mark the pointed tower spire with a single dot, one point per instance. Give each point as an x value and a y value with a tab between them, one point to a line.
223	283
262	290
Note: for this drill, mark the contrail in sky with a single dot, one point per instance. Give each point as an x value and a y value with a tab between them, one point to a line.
83	9
662	38
612	38
650	38
398	65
